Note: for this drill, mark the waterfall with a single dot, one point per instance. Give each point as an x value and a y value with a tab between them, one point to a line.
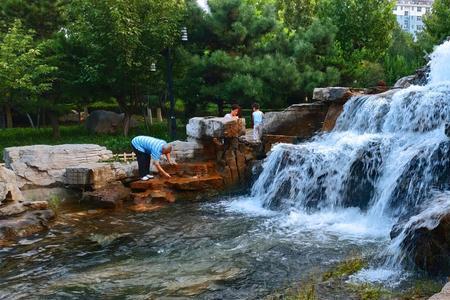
388	155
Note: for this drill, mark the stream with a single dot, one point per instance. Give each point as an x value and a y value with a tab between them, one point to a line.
226	249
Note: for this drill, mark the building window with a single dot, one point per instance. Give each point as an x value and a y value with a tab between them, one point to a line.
419	27
419	8
406	12
419	18
428	9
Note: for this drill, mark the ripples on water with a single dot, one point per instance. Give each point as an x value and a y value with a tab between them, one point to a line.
225	249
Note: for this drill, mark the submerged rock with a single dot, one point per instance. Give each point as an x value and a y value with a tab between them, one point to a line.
25	224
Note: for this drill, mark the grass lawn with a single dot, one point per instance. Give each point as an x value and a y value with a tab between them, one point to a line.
77	134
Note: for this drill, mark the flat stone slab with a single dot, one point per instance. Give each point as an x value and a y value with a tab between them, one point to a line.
43	165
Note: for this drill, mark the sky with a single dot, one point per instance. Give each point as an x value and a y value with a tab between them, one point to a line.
203	4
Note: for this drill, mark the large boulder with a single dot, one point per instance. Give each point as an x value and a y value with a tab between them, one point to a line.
213	127
42	165
332	94
103	121
9	187
188	151
299	120
111	196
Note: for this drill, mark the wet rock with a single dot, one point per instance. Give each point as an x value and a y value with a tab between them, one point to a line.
103	121
404	82
9	187
334	111
195	183
25	224
111	196
332	94
213	127
428	248
12	209
270	139
36	205
298	120
42	165
419	78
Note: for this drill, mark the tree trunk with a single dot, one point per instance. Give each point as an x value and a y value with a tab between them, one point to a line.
220	107
126	124
2	118
55	125
38	119
9	118
159	114
149	115
30	120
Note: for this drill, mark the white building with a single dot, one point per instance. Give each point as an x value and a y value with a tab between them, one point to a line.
410	14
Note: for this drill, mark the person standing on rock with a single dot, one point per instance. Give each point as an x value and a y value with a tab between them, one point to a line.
149	148
234	113
257	117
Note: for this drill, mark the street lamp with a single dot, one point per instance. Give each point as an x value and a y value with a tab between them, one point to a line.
168	53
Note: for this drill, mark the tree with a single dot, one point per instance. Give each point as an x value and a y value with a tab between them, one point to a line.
121	40
24	75
437	24
296	13
364	32
44	16
403	57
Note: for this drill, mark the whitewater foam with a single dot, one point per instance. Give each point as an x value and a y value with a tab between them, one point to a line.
380	164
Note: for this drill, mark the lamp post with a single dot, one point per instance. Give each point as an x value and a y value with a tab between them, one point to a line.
172	119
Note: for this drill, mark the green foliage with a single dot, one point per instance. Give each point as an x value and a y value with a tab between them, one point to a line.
437	24
44	16
345	268
296	13
403	57
54	203
24	75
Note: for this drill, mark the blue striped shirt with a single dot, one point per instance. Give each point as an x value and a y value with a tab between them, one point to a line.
149	145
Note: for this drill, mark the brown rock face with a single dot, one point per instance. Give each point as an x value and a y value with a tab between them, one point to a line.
111	196
299	120
334	111
269	140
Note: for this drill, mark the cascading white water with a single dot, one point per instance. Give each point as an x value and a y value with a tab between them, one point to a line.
386	156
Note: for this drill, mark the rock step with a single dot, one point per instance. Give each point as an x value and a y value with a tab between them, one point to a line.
191	169
153	197
195	183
